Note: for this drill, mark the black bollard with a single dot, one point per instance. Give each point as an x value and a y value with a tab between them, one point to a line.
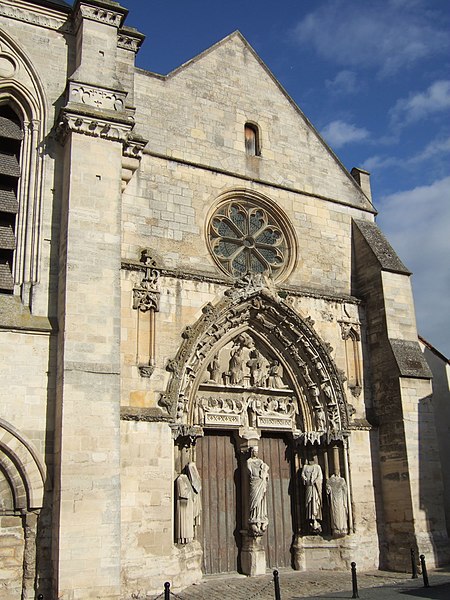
167	591
276	583
413	564
426	583
354	581
40	597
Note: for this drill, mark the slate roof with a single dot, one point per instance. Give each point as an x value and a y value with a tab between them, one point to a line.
6	280
8	202
9	165
10	130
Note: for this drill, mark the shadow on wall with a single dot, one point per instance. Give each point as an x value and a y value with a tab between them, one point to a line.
440	367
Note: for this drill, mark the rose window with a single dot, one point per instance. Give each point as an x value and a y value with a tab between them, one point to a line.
246	238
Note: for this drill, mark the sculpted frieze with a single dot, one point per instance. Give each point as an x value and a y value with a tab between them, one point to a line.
246	410
97	97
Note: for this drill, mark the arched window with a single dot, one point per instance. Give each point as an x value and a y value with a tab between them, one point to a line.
252	145
11	136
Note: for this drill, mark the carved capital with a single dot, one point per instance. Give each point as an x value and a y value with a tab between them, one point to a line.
186	436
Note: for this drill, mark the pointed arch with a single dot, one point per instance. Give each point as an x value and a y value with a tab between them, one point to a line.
23	92
22	468
266	318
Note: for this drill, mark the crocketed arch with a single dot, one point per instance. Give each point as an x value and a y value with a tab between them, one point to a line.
22	468
264	316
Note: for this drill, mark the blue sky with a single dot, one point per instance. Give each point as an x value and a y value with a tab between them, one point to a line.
374	78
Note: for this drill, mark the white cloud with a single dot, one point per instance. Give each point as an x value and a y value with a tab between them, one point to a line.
338	133
375	163
345	82
417	223
420	105
384	34
436	148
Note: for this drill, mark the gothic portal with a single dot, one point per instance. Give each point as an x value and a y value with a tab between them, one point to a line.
209	359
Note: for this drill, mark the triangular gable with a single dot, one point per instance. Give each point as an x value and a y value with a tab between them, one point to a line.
231	74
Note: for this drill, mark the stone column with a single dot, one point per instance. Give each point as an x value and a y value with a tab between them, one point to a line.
29	555
93	128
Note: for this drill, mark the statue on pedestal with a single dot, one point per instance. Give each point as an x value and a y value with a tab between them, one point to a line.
258	479
188	507
337	491
312	478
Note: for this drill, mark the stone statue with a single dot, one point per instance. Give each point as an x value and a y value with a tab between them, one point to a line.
236	366
184	522
337	491
275	379
196	483
257	377
312	478
258	479
214	370
321	423
188	506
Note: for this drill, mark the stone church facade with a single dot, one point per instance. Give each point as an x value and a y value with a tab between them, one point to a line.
209	357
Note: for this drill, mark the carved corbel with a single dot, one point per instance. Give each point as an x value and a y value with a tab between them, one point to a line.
131	158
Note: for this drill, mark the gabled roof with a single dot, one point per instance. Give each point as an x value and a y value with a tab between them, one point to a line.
238	35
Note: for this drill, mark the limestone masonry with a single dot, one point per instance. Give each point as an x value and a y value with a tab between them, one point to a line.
208	349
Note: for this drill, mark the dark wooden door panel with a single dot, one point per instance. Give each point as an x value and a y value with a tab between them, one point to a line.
217	465
278	538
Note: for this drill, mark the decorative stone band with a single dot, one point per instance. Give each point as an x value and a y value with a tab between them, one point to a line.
215	419
274	422
98	97
113	130
33	14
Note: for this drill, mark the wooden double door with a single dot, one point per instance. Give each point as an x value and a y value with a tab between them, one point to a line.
220	468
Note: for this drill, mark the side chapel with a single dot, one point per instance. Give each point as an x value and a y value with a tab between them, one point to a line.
209	356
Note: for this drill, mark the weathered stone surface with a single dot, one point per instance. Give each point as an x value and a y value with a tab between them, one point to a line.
131	337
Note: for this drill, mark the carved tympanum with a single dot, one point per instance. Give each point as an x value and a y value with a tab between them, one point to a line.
251	361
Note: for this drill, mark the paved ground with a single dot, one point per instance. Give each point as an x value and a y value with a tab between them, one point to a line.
379	585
